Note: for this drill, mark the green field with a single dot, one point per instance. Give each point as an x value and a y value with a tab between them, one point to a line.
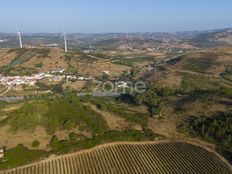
56	113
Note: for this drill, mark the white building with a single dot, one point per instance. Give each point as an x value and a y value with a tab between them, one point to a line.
123	84
2	151
106	72
57	78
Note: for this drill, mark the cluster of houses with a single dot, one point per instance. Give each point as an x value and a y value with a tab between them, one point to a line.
53	76
31	80
20	80
1	40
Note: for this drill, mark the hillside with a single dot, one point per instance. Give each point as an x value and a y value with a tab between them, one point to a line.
131	158
192	90
188	96
212	39
31	61
213	64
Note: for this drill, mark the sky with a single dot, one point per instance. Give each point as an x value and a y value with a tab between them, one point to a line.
99	16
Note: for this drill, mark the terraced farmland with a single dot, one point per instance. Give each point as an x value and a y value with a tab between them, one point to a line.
132	158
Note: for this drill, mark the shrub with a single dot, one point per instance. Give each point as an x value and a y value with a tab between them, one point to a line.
58	89
35	144
39	65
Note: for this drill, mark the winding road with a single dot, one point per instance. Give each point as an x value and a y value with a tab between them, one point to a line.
5	91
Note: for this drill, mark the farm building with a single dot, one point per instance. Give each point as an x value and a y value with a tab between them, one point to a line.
2	151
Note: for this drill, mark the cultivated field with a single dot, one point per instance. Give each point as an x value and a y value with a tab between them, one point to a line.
133	158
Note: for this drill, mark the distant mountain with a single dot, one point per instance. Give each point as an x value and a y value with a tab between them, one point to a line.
207	38
213	38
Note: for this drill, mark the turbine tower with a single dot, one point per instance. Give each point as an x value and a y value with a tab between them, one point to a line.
65	42
20	38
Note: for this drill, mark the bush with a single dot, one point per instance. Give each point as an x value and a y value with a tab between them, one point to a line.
35	144
43	52
39	65
58	89
42	86
77	142
69	124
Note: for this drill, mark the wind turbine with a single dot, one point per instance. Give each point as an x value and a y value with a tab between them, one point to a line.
20	38
65	42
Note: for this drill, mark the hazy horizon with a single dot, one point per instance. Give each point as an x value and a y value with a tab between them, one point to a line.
134	32
108	16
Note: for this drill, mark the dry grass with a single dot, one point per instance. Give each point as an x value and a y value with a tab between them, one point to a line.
76	86
54	61
165	127
6	58
114	122
96	69
32	62
11	139
11	107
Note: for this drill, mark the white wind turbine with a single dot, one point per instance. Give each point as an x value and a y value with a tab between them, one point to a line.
65	42
20	38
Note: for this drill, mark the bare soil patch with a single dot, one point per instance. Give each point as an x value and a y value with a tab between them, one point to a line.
114	122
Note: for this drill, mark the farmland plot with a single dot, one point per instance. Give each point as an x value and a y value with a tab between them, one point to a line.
133	158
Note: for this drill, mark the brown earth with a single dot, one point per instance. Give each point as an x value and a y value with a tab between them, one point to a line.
114	122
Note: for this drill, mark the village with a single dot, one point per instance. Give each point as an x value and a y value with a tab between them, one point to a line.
53	76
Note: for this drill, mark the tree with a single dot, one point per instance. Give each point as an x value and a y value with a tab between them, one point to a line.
54	140
58	89
134	72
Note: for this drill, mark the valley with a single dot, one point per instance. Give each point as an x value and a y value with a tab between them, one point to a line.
55	104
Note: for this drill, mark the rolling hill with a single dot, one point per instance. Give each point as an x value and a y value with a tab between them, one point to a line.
212	39
30	61
133	158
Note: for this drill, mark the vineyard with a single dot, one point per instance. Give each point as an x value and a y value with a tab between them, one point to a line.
132	158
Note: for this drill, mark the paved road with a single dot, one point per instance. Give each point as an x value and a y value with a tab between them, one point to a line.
11	99
101	94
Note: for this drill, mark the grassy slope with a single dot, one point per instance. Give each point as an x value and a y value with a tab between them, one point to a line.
19	156
56	113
